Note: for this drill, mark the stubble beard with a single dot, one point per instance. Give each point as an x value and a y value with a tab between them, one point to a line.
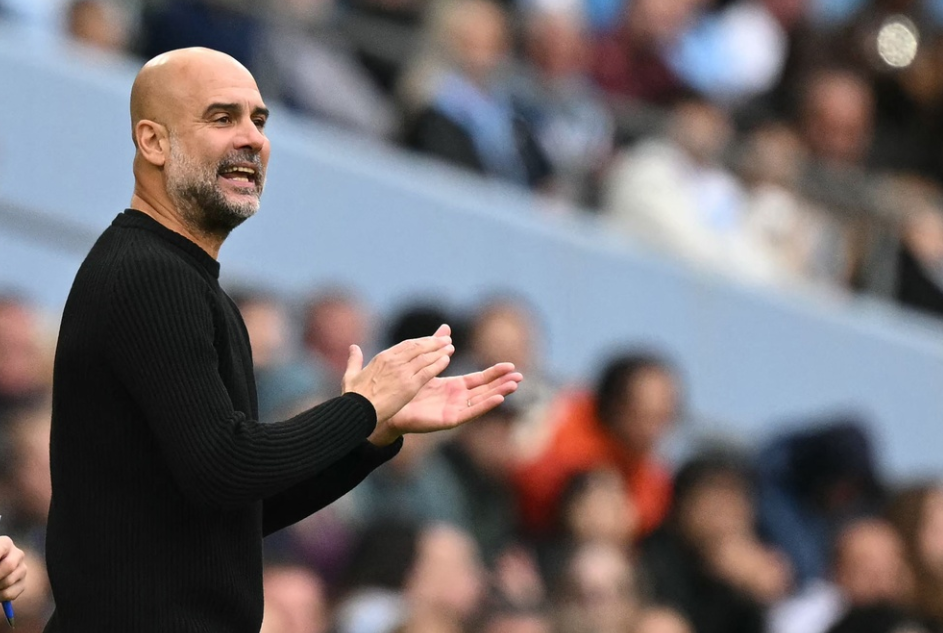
194	189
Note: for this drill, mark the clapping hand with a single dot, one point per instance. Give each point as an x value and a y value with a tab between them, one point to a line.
438	403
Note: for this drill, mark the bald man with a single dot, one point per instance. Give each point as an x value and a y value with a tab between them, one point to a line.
164	483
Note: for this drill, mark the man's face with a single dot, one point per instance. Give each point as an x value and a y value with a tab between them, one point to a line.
218	151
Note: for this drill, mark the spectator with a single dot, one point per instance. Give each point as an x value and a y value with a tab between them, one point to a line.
333	321
25	486
707	561
285	384
508	327
837	118
98	24
384	34
371	598
594	508
311	69
299	598
479	461
869	568
917	512
620	425
463	112
223	25
807	242
559	101
631	63
598	592
811	482
447	576
676	194
918	278
25	362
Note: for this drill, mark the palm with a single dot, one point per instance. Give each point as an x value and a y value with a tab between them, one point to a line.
443	403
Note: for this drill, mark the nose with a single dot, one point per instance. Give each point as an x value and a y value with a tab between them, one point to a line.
250	136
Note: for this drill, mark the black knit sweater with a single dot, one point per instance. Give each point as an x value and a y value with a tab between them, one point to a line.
163	481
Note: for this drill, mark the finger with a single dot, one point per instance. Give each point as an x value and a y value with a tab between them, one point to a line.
488	375
354	366
512	378
504	388
410	349
10	580
444	330
480	408
13	591
431	371
9	564
421	362
6	545
354	360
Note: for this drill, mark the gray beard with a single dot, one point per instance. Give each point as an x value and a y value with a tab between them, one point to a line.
193	188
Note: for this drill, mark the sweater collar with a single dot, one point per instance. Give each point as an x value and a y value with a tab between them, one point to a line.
136	219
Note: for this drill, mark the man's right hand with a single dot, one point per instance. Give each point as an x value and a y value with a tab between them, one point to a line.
396	375
12	569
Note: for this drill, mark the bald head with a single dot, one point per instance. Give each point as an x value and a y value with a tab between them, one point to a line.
165	81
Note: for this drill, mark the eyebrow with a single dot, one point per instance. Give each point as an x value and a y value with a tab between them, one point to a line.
233	108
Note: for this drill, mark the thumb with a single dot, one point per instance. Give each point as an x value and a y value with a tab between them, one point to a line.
354	361
354	366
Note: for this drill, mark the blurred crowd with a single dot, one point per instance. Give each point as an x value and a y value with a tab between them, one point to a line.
559	512
789	142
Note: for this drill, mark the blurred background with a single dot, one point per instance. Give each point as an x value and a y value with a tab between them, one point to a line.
710	233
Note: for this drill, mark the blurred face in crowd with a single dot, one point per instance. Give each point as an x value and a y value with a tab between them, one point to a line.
604	588
870	565
22	362
838	118
448	574
489	443
298	596
656	22
333	324
268	331
97	24
557	44
503	334
647	410
702	129
200	117
602	511
717	508
478	38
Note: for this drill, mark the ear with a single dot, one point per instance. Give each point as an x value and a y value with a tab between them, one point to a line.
152	141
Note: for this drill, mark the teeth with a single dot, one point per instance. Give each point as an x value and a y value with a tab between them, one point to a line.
245	170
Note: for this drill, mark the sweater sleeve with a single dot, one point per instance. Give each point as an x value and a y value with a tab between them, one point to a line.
161	345
312	494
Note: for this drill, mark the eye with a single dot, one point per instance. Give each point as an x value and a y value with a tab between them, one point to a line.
260	122
223	118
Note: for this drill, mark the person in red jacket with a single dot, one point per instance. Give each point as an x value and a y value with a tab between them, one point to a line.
620	426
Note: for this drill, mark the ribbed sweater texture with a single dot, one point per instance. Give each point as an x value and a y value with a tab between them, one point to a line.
164	482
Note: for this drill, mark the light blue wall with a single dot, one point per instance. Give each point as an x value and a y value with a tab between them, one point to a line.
343	209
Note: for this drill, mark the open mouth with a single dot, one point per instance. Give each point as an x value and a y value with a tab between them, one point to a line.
243	176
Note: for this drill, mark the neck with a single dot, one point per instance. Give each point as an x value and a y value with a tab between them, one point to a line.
168	215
